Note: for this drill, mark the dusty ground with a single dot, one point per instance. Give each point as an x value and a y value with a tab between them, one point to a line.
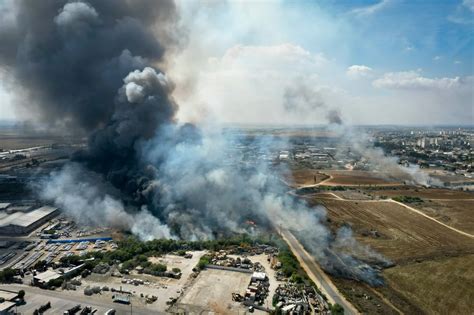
304	177
212	291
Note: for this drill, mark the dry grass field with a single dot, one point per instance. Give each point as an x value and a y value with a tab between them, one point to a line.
403	235
356	178
443	286
452	207
424	193
305	177
15	142
433	272
456	213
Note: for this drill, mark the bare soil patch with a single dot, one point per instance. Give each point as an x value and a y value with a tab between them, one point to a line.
355	178
305	177
212	291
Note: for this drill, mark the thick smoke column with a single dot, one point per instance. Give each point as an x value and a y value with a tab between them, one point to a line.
71	57
91	67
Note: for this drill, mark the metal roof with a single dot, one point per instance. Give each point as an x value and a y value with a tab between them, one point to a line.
26	219
5	306
47	275
8	295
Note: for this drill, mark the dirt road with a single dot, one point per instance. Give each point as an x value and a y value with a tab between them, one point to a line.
409	208
317	274
431	218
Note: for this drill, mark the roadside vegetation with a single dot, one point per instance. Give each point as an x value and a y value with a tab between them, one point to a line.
408	199
7	275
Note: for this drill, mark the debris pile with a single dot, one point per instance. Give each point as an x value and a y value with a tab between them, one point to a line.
299	299
258	289
101	268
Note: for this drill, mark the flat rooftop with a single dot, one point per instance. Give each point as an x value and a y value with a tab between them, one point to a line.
47	275
8	295
26	219
5	306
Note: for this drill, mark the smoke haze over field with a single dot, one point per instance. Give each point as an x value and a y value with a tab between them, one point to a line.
92	67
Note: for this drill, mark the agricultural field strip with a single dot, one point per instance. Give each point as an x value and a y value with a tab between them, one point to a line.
431	218
411	209
449	199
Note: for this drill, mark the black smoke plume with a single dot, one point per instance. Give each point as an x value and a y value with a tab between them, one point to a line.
70	57
91	68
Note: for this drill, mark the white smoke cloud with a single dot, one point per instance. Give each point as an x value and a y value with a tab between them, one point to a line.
81	195
135	93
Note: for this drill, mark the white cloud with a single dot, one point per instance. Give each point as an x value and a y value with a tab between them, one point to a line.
414	80
359	71
437	58
469	4
372	9
463	13
283	53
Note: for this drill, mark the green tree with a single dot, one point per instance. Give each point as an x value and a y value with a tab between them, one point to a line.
337	309
21	294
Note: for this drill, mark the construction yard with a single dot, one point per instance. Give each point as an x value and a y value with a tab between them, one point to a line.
212	291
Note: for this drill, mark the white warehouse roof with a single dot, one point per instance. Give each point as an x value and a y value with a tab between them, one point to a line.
26	219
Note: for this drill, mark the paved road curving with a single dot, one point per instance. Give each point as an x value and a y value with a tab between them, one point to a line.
317	274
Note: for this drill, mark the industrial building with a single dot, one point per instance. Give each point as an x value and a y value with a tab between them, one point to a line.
42	279
7	301
20	223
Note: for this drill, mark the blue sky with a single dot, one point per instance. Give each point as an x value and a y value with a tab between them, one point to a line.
433	35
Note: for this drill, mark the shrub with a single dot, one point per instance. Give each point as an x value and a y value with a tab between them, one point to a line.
203	262
337	309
